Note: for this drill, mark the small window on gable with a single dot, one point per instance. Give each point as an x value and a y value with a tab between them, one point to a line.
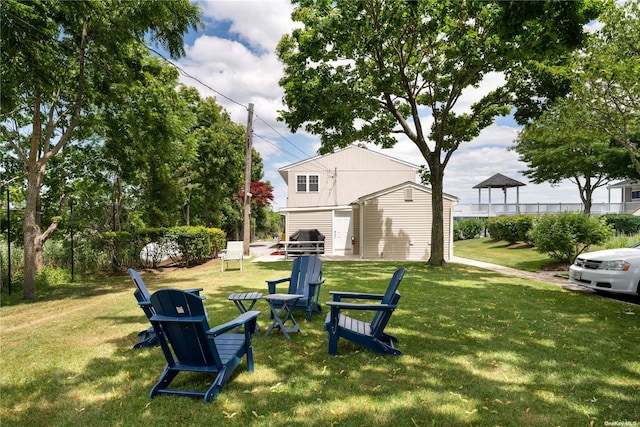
408	194
313	183
301	184
307	183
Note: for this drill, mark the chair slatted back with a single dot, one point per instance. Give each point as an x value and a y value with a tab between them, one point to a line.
182	334
144	294
391	296
305	269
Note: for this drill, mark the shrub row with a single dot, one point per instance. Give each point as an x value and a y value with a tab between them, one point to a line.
467	228
623	223
197	244
117	251
511	228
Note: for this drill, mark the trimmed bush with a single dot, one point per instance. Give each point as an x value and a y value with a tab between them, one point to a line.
511	228
467	228
623	223
565	235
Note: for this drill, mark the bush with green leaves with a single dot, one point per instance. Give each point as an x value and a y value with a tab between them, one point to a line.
511	228
564	236
467	228
623	223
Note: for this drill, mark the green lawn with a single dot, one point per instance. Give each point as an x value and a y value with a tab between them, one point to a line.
518	256
479	349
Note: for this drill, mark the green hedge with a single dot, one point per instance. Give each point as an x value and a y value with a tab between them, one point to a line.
197	245
467	228
511	228
623	223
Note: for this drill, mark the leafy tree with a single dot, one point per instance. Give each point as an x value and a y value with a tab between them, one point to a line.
608	72
219	166
557	146
59	61
146	129
367	70
566	235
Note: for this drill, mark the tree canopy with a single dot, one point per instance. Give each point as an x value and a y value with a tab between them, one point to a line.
557	146
607	74
365	71
87	111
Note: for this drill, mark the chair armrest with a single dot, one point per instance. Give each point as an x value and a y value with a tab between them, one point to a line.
186	319
272	283
195	291
238	321
144	303
356	295
355	306
314	290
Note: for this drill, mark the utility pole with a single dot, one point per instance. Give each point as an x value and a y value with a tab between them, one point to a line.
247	184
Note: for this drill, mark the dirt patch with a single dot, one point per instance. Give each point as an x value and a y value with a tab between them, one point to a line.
556	266
519	245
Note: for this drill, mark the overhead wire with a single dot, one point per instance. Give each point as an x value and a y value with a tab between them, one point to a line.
72	49
188	75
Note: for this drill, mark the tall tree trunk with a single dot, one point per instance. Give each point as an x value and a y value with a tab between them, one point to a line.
437	214
31	229
118	202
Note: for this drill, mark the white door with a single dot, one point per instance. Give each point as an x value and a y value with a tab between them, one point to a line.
342	231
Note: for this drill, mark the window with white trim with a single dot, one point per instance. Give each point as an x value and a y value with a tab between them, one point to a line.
307	183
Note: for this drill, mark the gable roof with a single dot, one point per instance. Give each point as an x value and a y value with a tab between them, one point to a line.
406	184
623	184
499	181
286	168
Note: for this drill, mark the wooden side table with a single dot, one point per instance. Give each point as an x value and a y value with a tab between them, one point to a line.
239	300
280	317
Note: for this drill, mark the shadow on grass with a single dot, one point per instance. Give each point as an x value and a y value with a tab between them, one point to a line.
480	349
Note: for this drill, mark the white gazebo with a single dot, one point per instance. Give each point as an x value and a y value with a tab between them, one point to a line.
500	181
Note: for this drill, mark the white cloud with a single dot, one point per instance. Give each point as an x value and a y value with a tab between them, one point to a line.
243	67
259	23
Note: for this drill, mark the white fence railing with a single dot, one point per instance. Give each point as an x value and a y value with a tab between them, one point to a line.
299	247
486	210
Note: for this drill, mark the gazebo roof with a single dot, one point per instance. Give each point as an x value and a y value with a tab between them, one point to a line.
499	181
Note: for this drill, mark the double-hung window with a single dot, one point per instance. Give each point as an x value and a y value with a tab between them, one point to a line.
307	184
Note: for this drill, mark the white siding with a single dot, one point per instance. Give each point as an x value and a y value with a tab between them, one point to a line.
322	220
346	175
399	229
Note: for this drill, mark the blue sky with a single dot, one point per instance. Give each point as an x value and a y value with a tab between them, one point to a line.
235	56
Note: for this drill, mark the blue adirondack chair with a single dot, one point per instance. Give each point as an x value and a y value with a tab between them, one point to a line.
369	335
306	279
143	296
190	345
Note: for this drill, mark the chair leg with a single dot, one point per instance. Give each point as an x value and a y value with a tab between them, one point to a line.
215	388
165	379
333	343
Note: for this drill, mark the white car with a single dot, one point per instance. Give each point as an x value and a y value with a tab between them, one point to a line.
611	270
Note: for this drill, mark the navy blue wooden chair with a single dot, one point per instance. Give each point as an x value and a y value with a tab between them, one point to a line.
190	345
143	296
306	279
369	335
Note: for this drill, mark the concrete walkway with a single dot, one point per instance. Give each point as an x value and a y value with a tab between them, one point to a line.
551	277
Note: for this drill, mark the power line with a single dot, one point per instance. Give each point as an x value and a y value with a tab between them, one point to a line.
72	49
186	74
177	67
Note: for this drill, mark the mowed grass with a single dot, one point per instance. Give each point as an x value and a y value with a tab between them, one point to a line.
479	349
519	256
